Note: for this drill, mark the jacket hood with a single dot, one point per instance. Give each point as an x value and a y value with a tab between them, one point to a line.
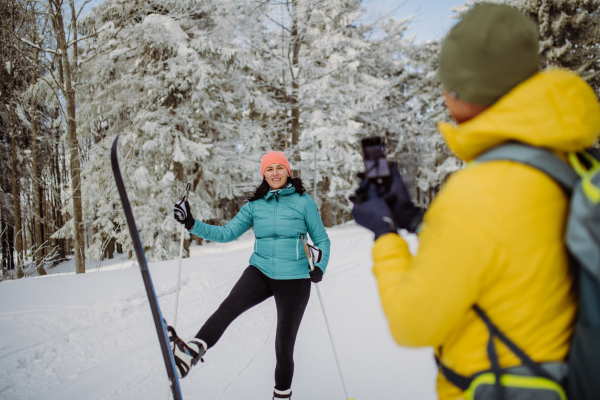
554	109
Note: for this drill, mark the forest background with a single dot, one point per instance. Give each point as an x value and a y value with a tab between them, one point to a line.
199	90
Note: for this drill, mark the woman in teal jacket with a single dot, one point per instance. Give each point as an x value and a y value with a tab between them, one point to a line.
281	213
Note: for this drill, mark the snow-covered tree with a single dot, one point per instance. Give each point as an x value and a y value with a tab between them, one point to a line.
413	105
29	138
336	86
569	33
326	73
199	91
167	77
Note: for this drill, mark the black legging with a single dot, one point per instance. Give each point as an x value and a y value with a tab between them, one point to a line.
291	297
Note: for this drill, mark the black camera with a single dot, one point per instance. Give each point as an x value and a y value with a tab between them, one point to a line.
377	168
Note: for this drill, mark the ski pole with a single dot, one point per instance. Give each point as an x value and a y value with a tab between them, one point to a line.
187	195
312	267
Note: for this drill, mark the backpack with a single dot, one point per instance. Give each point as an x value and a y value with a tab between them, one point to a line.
580	179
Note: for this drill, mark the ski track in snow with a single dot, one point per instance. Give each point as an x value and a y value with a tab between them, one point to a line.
91	336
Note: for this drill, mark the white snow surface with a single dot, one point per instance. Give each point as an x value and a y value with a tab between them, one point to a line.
91	336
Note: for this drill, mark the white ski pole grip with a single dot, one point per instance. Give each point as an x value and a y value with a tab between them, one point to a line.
312	267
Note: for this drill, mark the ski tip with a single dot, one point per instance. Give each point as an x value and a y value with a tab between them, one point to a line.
114	147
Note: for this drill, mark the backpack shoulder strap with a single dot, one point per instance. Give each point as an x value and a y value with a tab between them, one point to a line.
537	157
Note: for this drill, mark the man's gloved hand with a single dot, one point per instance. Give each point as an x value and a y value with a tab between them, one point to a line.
183	214
370	209
316	275
404	213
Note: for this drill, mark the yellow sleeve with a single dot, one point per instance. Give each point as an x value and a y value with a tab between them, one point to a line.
424	296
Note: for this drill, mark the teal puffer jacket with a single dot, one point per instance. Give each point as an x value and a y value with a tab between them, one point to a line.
279	219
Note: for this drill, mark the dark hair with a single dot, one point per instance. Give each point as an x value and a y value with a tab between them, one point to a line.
262	189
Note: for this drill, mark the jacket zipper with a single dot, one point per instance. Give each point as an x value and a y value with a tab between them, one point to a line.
274	234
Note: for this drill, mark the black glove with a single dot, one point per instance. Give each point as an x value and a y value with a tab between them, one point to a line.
404	213
370	209
183	215
316	275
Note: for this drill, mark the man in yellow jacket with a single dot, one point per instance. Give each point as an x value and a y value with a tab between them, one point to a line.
493	237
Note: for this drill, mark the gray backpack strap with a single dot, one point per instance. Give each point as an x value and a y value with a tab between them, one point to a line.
536	157
583	242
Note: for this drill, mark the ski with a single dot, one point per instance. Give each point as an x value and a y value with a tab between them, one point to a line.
159	322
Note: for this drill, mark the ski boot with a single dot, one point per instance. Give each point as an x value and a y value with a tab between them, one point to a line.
282	394
186	354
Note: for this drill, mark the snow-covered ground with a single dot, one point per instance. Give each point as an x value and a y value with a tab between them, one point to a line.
91	336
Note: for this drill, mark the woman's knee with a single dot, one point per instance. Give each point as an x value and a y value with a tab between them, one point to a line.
285	347
231	307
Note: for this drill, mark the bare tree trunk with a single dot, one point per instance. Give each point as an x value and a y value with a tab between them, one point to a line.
74	32
61	72
49	218
110	249
53	210
44	218
295	84
62	251
4	243
326	211
38	215
5	219
69	91
24	236
295	87
16	192
37	190
10	235
178	171
11	20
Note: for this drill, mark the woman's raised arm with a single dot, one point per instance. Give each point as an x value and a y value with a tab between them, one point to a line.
228	233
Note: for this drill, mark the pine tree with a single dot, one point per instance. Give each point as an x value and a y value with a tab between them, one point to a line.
320	65
569	33
412	106
172	89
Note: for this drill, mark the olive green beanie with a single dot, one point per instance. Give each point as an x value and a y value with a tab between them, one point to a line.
490	51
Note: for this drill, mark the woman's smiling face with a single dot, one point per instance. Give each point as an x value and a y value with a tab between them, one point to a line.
276	176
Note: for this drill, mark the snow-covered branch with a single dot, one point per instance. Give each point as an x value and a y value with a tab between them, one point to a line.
37	47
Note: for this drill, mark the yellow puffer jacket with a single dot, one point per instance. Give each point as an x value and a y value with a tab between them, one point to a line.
493	237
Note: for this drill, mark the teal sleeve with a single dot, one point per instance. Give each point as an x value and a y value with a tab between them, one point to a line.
231	231
317	232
